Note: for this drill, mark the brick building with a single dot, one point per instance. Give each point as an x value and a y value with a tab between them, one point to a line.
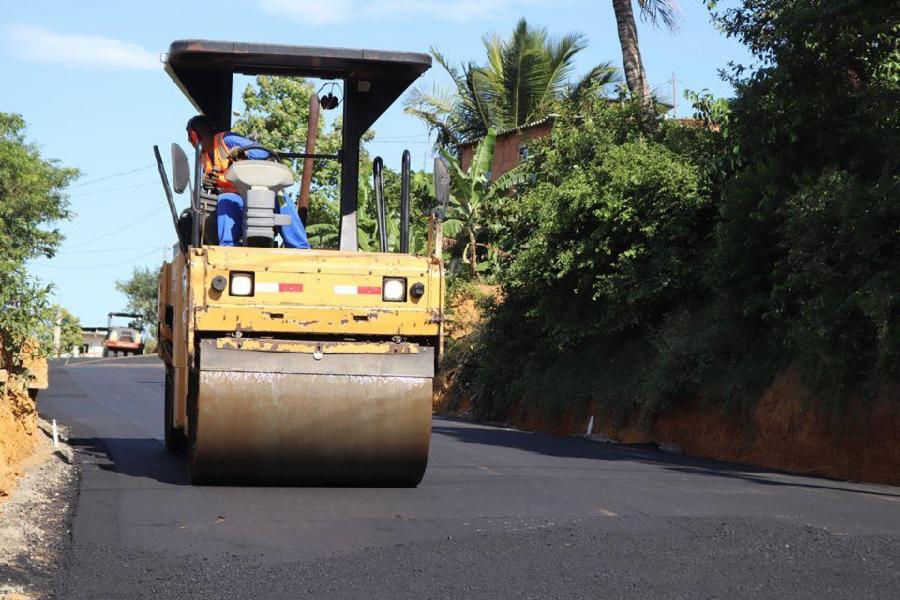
511	146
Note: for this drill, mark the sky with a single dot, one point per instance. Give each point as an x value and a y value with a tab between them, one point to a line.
88	79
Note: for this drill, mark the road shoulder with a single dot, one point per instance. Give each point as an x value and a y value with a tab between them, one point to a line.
35	521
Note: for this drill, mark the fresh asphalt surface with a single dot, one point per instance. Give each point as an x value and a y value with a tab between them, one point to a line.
500	514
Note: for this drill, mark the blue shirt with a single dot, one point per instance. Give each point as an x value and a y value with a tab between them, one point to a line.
233	140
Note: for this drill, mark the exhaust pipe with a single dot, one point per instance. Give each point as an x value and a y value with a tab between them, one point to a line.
381	216
404	202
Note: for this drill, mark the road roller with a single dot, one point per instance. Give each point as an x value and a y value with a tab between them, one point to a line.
296	366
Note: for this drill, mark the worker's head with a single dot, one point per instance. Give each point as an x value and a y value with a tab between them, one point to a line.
200	130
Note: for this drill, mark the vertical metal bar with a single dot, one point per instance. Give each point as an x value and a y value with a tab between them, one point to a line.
169	197
196	208
404	201
349	174
380	216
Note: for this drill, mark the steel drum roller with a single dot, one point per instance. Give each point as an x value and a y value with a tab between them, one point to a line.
300	417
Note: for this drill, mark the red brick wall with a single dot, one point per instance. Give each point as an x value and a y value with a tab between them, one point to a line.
506	151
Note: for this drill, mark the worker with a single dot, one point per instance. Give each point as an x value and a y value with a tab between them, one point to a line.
219	150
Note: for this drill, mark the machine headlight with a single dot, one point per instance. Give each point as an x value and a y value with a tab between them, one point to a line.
393	289
241	284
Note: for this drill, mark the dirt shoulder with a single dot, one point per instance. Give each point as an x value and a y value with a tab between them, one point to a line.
35	518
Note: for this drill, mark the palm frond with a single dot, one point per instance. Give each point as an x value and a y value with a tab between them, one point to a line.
560	55
665	12
599	77
515	176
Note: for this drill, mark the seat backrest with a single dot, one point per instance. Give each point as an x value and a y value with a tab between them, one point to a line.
246	174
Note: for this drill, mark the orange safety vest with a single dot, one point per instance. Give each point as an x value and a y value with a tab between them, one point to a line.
219	164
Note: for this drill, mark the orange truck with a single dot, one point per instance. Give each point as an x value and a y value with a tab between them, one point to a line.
122	341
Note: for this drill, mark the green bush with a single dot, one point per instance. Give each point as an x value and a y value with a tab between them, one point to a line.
607	240
642	268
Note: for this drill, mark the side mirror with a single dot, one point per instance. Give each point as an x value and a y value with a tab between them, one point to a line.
181	170
441	184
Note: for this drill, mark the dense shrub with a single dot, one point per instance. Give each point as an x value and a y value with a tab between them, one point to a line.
608	239
639	268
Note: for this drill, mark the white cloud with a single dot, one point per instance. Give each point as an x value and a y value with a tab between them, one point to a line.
36	44
326	12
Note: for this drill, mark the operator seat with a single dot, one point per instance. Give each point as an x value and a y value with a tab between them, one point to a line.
258	182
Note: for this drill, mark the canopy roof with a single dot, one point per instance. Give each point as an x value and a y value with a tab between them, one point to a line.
204	69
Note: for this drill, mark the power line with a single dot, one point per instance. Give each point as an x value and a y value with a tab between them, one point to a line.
99	250
122	227
100	266
115	189
105	177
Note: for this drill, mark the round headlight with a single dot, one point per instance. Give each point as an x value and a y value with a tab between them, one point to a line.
241	284
393	289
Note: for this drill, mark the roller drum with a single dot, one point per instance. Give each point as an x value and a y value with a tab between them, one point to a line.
351	419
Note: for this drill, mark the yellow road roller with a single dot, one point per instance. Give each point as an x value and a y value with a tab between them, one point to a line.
297	366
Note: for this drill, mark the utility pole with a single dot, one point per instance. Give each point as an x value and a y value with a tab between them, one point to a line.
674	98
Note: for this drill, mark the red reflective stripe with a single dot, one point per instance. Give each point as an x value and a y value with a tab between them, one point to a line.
368	290
290	287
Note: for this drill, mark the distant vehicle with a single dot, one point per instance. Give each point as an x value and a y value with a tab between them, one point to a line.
122	341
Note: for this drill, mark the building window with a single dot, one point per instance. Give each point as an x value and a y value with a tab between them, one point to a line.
523	152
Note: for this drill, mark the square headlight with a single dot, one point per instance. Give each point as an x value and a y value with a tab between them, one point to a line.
241	284
393	289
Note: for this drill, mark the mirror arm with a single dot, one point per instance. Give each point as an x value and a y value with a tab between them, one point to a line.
169	197
196	208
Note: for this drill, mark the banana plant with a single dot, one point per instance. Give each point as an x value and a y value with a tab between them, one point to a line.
470	190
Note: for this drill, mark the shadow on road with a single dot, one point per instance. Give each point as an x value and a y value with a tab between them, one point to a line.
136	457
562	447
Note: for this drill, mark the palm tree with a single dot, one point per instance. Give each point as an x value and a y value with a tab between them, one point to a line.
519	83
656	12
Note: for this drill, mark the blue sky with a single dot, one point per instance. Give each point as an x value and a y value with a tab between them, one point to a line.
87	78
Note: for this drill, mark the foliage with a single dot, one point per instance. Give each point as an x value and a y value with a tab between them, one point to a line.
471	192
142	291
70	336
31	201
644	264
808	241
607	240
522	80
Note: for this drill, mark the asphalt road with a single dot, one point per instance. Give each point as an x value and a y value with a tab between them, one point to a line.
500	514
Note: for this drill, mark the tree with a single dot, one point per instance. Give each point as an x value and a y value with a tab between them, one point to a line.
31	199
657	12
70	336
470	191
807	247
142	290
522	79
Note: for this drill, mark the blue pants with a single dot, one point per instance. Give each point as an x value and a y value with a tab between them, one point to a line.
230	221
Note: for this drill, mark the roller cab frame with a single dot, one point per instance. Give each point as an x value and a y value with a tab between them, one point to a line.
299	366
